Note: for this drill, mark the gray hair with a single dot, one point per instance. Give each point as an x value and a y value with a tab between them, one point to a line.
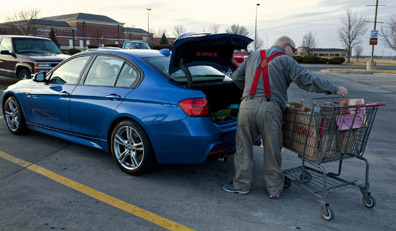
283	40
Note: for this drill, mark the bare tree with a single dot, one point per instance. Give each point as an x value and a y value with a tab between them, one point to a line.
358	51
388	33
160	32
204	28
237	29
309	42
214	28
258	44
23	21
179	30
352	28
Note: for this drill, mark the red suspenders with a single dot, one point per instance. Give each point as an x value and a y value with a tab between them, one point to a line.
263	68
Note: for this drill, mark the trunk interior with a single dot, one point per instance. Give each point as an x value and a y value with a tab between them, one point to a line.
223	99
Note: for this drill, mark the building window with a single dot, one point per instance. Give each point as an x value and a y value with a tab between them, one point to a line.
81	44
88	42
70	43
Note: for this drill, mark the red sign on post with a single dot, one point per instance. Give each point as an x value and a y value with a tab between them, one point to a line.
373	41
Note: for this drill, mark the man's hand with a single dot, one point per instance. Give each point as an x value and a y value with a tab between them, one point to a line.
342	91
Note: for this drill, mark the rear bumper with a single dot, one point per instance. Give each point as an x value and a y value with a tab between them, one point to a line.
192	140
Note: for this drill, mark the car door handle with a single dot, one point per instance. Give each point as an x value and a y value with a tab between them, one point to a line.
64	94
113	97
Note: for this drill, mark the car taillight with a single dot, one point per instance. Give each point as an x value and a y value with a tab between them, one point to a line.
197	107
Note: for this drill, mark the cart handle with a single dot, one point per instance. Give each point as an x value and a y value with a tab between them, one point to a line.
369	104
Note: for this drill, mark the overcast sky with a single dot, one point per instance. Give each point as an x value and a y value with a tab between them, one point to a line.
294	18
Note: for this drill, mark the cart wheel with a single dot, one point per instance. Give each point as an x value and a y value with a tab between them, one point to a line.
286	183
305	177
327	213
369	201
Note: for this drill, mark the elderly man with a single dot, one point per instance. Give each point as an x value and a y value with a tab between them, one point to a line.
265	77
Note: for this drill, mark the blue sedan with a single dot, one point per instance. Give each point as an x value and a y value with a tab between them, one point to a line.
143	106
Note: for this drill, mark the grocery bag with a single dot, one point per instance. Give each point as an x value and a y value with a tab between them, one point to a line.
350	117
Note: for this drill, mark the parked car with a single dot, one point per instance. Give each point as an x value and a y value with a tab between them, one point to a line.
20	56
144	106
239	56
135	45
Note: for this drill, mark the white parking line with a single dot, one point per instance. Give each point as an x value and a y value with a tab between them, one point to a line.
1	117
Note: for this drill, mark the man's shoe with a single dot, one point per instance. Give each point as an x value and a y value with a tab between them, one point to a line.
274	196
230	188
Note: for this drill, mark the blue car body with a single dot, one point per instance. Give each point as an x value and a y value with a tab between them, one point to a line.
86	114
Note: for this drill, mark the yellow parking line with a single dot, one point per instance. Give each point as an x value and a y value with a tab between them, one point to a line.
132	209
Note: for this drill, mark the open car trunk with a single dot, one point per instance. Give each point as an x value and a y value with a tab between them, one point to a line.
216	50
223	100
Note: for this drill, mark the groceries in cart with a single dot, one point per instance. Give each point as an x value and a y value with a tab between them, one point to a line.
324	130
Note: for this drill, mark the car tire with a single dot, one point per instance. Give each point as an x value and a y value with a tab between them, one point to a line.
131	148
24	74
13	116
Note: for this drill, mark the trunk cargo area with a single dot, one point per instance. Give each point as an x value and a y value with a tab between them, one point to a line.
223	99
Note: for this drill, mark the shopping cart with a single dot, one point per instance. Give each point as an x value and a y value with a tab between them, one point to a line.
326	132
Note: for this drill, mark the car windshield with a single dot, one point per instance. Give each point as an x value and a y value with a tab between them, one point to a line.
32	45
198	73
140	46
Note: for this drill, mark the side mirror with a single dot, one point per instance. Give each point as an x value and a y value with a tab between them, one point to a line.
5	52
39	77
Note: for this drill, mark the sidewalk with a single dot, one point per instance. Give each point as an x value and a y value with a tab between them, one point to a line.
362	71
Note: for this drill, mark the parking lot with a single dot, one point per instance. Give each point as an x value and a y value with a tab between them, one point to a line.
51	184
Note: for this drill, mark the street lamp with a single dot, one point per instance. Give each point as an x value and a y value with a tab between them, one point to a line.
255	29
148	24
371	65
118	34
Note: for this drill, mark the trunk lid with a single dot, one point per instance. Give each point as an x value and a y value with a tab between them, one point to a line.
216	50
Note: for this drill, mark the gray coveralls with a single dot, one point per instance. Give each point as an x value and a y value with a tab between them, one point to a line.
259	116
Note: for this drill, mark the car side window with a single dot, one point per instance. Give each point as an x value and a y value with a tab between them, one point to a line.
6	45
104	71
127	77
69	72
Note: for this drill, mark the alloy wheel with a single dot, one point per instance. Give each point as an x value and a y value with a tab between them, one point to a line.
128	147
12	115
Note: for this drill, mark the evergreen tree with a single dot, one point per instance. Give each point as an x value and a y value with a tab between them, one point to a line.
164	40
52	36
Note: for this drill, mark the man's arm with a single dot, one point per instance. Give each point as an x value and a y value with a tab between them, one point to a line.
312	83
239	75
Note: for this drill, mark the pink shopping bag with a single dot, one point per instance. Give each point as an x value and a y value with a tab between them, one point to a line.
351	117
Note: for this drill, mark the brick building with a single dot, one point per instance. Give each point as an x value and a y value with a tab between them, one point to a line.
80	30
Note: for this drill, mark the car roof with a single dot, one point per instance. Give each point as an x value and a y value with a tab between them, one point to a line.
22	36
139	53
134	41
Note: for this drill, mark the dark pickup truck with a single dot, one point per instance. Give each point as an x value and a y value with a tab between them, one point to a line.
21	56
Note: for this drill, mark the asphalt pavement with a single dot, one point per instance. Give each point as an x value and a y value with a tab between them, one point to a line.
190	195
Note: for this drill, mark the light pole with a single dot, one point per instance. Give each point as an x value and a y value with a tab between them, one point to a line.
118	34
371	64
255	29
148	25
